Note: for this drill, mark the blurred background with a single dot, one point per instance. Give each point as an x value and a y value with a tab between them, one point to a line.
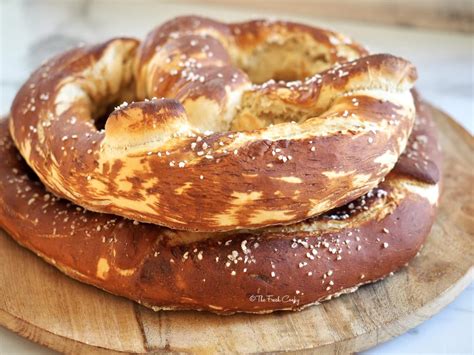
436	35
452	15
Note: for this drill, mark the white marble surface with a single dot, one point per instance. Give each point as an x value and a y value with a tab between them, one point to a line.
31	31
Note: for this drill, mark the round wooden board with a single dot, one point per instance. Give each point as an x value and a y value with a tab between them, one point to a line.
43	305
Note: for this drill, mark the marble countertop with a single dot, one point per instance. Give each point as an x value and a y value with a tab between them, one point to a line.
32	31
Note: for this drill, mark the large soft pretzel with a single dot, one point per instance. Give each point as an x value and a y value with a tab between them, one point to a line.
219	153
259	271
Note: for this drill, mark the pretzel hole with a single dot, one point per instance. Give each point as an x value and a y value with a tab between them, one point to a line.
281	58
285	59
101	119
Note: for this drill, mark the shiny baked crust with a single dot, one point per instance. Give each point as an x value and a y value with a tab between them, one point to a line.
156	160
245	271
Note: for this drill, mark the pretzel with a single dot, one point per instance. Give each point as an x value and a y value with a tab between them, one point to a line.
256	271
222	147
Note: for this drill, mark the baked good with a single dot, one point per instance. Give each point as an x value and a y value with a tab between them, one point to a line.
174	162
257	271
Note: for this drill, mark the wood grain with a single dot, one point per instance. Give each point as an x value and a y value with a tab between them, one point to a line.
41	304
453	15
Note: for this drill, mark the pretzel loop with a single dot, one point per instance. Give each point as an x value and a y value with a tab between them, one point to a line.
232	126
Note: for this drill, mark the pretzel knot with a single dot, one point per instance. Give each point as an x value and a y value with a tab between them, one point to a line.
230	125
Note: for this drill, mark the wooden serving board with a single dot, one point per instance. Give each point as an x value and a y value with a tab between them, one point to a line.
43	305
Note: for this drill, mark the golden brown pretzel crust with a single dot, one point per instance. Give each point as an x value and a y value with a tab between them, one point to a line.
248	271
155	162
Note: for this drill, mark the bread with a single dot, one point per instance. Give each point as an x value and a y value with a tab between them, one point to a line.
157	160
256	271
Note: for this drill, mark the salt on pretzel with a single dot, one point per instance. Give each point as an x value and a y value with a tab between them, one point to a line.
256	271
218	152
